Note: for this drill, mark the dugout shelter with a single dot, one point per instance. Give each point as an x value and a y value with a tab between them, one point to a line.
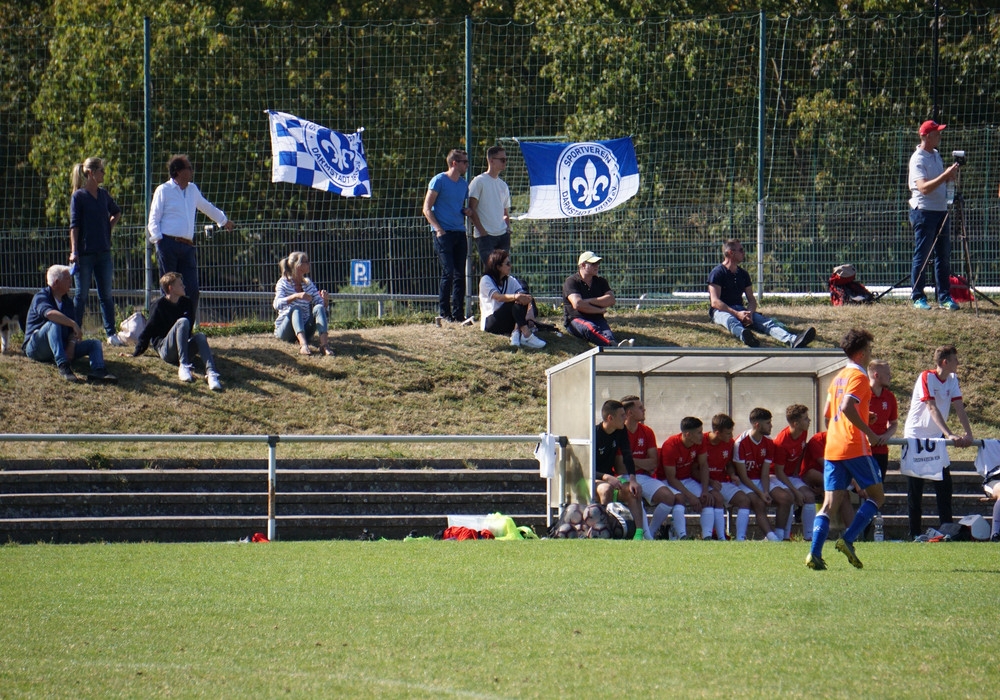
674	383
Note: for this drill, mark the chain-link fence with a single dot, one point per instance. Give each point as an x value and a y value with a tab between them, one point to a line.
841	99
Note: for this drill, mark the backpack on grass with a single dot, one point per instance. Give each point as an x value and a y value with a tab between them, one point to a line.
845	288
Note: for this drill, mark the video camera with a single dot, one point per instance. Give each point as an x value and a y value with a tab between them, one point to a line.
959	157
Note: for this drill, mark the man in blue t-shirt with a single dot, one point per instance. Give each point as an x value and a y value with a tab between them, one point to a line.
444	209
727	285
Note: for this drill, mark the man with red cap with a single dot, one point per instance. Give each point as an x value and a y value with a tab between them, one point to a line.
928	215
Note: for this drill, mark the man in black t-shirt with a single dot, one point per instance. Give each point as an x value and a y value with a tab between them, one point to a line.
727	285
586	298
611	440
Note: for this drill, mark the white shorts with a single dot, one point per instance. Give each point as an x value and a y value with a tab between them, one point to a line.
650	486
797	483
728	490
692	486
746	489
775	484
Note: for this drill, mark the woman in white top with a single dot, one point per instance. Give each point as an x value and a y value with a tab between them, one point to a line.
504	306
300	305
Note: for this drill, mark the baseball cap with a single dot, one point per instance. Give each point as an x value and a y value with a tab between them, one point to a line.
929	126
587	257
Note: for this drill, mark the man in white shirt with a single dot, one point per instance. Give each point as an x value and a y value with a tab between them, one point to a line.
171	224
489	200
927	182
934	394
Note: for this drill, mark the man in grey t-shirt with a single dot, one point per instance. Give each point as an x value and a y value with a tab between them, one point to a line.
929	214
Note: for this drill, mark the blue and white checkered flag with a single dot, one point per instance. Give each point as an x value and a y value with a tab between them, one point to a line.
579	179
308	154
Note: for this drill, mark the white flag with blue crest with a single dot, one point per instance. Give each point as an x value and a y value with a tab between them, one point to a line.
311	155
579	179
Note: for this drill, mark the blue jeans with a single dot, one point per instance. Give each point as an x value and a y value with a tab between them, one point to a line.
925	227
761	324
298	321
48	344
452	248
179	346
172	256
96	266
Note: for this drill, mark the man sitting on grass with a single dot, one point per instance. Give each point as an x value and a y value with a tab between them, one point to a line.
169	332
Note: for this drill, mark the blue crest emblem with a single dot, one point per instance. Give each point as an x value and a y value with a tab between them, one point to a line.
337	155
588	179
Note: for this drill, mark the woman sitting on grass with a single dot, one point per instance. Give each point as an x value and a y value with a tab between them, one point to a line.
300	305
504	306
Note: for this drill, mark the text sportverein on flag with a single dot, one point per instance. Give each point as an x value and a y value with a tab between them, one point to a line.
579	179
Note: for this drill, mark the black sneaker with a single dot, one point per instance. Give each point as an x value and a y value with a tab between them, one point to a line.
66	373
101	376
749	339
804	338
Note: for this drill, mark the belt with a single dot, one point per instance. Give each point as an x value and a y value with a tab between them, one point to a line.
185	241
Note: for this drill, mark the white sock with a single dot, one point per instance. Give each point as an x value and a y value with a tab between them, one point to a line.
680	525
808	519
646	532
707	522
791	521
771	537
720	523
660	515
779	532
742	522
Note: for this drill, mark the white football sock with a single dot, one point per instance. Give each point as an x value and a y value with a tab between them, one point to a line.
680	525
660	515
808	519
707	522
742	522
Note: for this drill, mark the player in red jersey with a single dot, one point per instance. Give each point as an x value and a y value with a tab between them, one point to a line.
752	459
883	411
790	447
682	458
647	462
719	446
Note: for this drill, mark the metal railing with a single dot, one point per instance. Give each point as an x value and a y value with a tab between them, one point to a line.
272	448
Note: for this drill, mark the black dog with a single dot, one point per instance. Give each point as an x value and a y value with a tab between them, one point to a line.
13	311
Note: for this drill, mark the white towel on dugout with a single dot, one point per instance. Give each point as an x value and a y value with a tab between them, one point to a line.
545	453
988	459
919	461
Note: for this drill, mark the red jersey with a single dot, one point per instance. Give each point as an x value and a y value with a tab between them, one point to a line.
813	457
755	456
788	451
674	454
843	439
641	440
719	457
881	411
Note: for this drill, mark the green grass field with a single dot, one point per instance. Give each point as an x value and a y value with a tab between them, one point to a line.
542	619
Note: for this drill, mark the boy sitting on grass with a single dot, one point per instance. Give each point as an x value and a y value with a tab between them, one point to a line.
169	332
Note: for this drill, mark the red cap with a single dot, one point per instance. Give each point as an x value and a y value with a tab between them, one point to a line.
929	126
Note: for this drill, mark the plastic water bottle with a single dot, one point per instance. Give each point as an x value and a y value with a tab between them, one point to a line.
879	528
951	192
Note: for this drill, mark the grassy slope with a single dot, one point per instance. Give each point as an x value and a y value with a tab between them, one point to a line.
559	618
418	378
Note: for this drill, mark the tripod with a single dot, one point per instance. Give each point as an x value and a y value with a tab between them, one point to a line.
958	210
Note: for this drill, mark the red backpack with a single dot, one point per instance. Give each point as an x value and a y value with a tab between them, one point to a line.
845	289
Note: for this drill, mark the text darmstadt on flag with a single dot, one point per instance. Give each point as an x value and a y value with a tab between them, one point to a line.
308	154
579	179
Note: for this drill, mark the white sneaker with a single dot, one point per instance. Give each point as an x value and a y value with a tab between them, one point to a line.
532	341
116	341
213	381
515	338
184	373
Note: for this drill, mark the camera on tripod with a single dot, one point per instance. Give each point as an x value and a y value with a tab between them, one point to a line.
959	157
